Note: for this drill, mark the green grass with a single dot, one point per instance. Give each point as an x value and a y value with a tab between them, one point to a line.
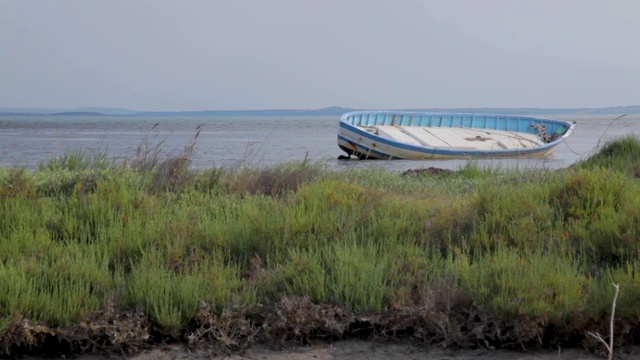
82	234
549	286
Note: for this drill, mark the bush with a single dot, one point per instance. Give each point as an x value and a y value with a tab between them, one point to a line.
621	154
543	286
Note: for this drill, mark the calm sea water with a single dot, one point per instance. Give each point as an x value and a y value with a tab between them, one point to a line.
26	141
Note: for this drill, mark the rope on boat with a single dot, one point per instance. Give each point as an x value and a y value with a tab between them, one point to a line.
542	132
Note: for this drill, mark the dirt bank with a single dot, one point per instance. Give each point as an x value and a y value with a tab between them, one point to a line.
366	350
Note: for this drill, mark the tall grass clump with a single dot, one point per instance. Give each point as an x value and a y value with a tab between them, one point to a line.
511	209
418	182
425	280
168	172
272	181
544	286
622	154
471	170
327	210
305	274
171	297
357	276
254	229
599	209
62	286
60	175
515	214
77	161
17	183
628	302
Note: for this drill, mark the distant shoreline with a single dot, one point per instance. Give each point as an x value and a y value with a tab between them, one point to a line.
329	111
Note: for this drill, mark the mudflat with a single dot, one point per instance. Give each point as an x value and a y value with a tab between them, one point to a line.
366	350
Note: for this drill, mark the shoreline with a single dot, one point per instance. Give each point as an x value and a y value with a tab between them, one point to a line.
362	350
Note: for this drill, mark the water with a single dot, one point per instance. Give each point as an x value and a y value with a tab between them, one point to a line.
26	141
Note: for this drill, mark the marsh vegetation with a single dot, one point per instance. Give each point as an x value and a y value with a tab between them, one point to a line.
104	256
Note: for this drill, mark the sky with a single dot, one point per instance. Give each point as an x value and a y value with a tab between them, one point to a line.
161	55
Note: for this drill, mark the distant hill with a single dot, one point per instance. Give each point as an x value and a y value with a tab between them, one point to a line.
107	111
77	111
329	111
274	112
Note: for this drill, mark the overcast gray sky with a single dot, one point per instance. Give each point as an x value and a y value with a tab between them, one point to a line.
304	54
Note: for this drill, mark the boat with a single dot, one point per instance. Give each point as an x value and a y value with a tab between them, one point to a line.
421	135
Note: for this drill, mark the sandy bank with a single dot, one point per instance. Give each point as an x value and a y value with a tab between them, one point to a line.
366	350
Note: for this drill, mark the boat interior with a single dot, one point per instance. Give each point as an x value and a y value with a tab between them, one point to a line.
459	138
